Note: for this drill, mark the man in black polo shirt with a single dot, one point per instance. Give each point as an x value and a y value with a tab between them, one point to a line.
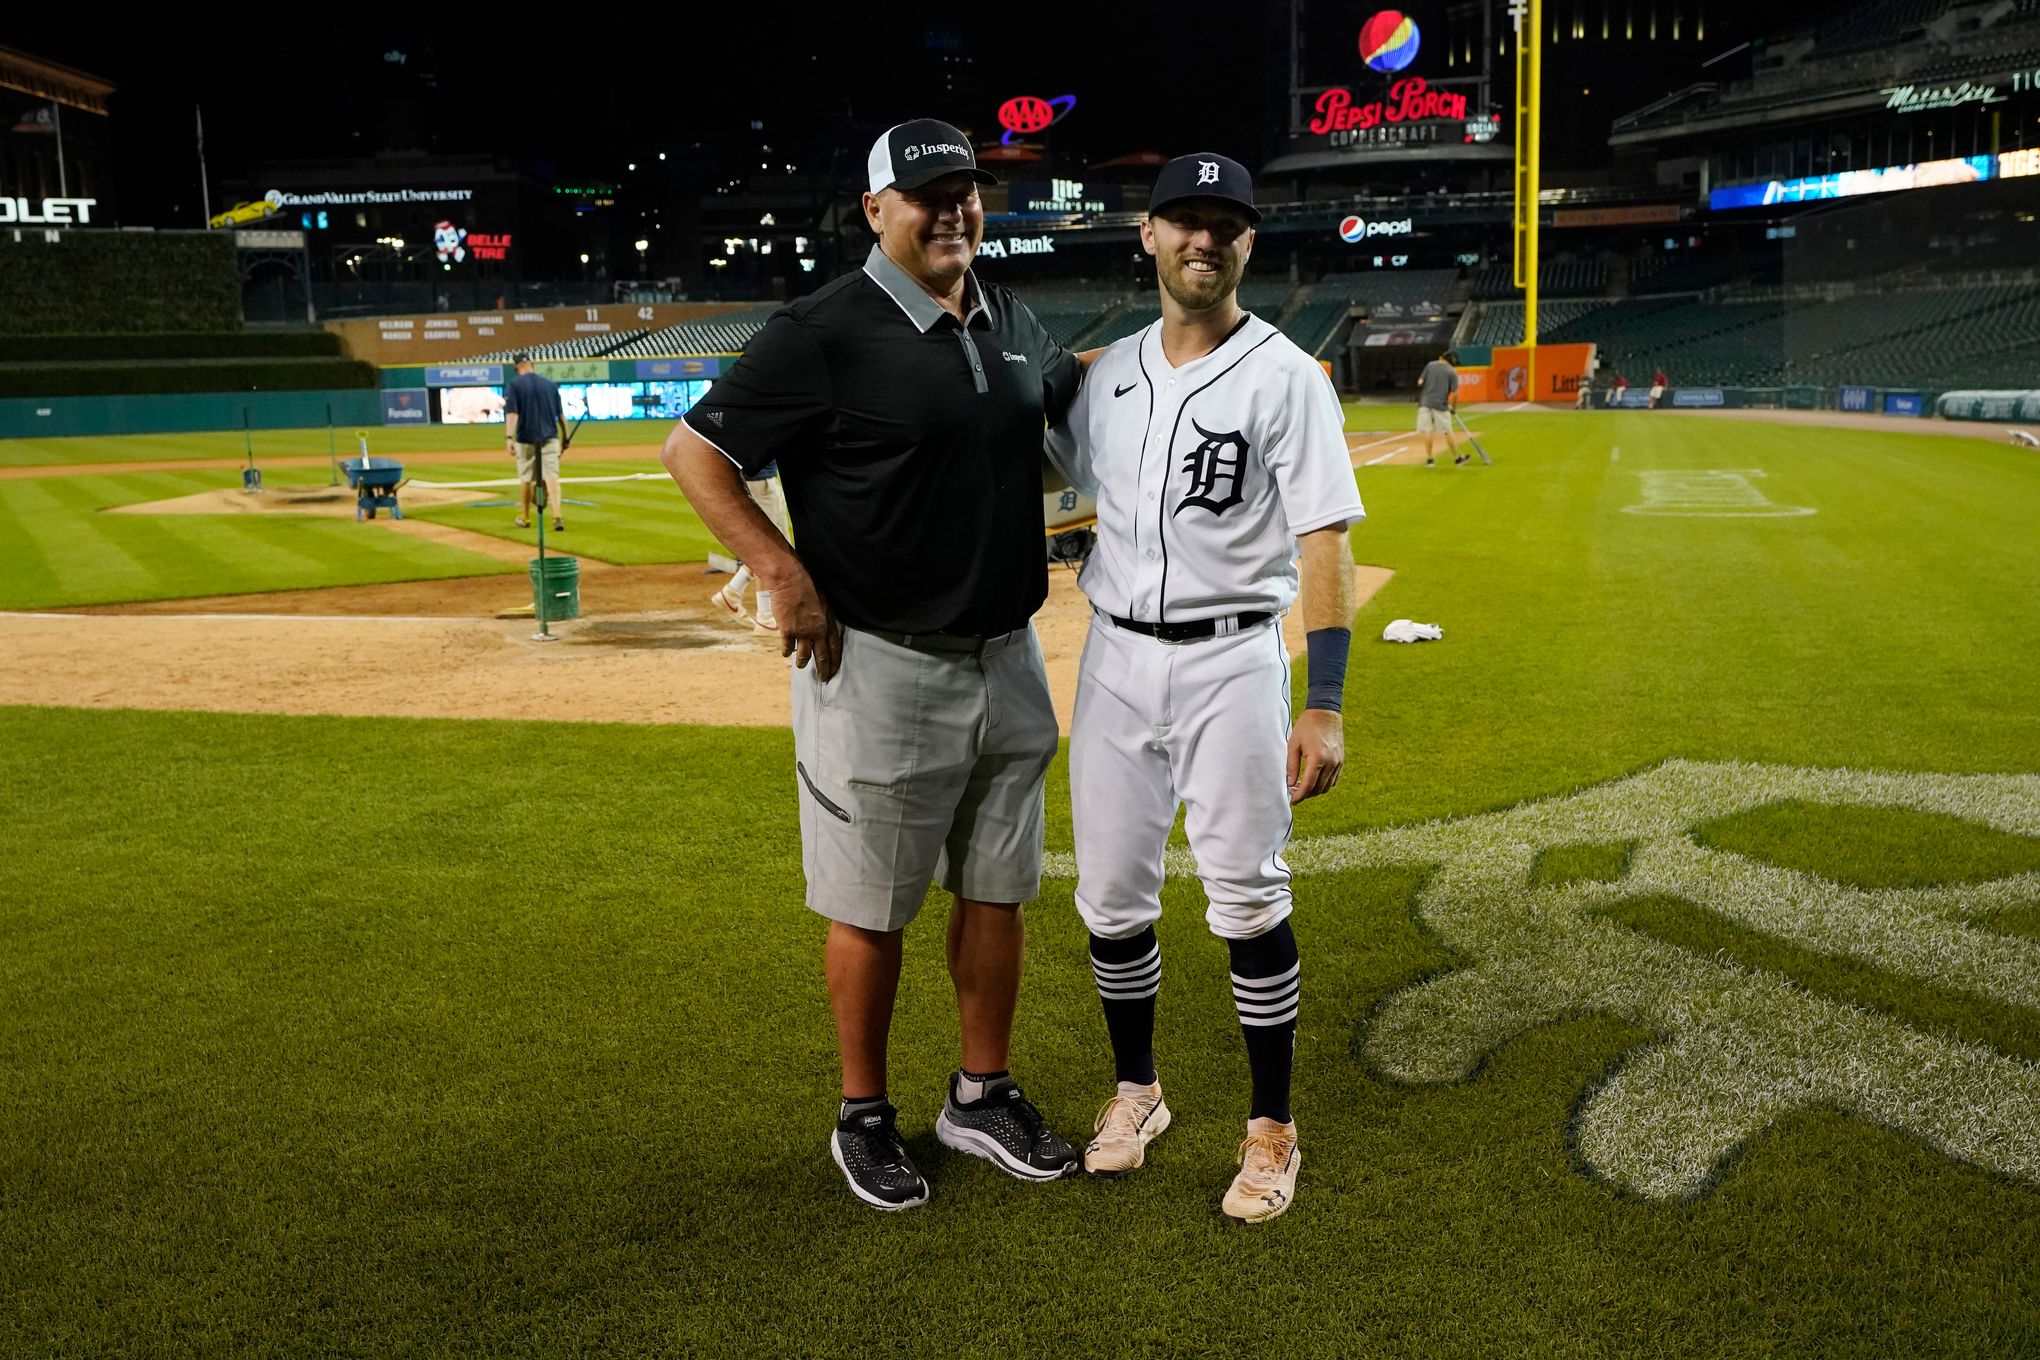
905	405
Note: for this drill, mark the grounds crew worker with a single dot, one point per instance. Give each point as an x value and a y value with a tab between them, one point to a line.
531	407
1437	390
904	404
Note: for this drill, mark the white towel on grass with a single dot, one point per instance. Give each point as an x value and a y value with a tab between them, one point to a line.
1402	630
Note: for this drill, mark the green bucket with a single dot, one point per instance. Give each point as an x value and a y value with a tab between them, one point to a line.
556	593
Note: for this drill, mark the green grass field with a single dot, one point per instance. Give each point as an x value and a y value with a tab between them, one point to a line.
313	443
440	1038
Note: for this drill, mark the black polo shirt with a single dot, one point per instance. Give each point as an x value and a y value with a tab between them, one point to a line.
910	446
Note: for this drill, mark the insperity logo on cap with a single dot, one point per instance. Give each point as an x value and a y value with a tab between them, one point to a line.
914	153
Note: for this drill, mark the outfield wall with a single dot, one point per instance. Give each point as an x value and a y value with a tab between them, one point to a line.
54	281
188	412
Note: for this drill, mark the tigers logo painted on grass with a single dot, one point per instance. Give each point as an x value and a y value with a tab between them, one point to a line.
1739	1048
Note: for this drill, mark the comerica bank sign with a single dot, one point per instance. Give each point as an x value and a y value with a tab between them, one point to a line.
51	212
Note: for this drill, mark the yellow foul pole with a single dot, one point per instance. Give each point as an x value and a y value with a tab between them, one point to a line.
1529	17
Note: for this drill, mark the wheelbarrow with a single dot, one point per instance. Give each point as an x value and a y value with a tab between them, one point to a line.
375	486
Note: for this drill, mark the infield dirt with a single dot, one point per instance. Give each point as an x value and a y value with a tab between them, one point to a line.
651	650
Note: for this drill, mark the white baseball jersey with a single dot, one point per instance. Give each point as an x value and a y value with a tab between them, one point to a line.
1205	475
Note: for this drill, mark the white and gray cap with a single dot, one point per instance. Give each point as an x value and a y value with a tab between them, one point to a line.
910	154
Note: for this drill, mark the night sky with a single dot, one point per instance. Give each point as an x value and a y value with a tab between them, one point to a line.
580	100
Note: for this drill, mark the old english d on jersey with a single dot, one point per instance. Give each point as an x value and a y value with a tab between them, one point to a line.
1205	475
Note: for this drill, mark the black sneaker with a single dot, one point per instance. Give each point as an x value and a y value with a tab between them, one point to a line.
867	1147
1004	1128
1462	460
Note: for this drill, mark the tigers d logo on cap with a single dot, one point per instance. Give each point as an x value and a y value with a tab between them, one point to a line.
911	154
1205	174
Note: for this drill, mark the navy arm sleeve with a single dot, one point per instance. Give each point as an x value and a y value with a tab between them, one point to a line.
773	404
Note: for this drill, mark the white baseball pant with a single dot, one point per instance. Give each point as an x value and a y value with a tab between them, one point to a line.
1202	723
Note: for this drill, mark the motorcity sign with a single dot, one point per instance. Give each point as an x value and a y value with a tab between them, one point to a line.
1411	100
1921	98
55	212
1356	229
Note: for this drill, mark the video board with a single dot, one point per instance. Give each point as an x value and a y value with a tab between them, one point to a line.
470	405
579	401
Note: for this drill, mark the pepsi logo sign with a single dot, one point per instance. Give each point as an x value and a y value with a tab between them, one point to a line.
1354	229
1388	41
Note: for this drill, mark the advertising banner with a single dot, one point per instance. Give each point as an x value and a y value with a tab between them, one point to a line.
1990	406
1855	398
574	370
406	406
1474	384
463	375
1854	183
678	370
1696	396
1904	404
1617	217
1561	372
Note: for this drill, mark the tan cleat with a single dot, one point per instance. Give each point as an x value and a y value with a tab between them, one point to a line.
1128	1123
1266	1185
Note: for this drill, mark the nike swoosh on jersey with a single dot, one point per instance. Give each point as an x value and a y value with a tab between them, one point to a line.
1122	391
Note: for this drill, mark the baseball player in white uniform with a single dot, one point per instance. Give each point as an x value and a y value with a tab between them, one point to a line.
765	490
1216	452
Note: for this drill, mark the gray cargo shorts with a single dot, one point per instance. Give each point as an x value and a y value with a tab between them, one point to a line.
917	765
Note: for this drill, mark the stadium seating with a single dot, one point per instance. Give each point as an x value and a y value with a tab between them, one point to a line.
1981	335
580	347
1316	323
1501	323
1423	291
725	334
1265	297
1561	278
1677	274
1125	323
1068	312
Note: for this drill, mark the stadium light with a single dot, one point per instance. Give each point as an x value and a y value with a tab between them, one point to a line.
662	155
584	257
642	245
631	166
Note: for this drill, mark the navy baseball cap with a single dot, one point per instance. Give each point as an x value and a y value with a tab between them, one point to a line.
911	154
1205	174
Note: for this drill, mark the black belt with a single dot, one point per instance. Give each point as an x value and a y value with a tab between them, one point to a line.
951	642
1192	632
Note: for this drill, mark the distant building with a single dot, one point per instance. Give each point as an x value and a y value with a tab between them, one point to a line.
56	137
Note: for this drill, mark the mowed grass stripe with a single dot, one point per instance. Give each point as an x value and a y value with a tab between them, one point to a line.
74	544
300	443
632	523
2013	1030
70	553
304	443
